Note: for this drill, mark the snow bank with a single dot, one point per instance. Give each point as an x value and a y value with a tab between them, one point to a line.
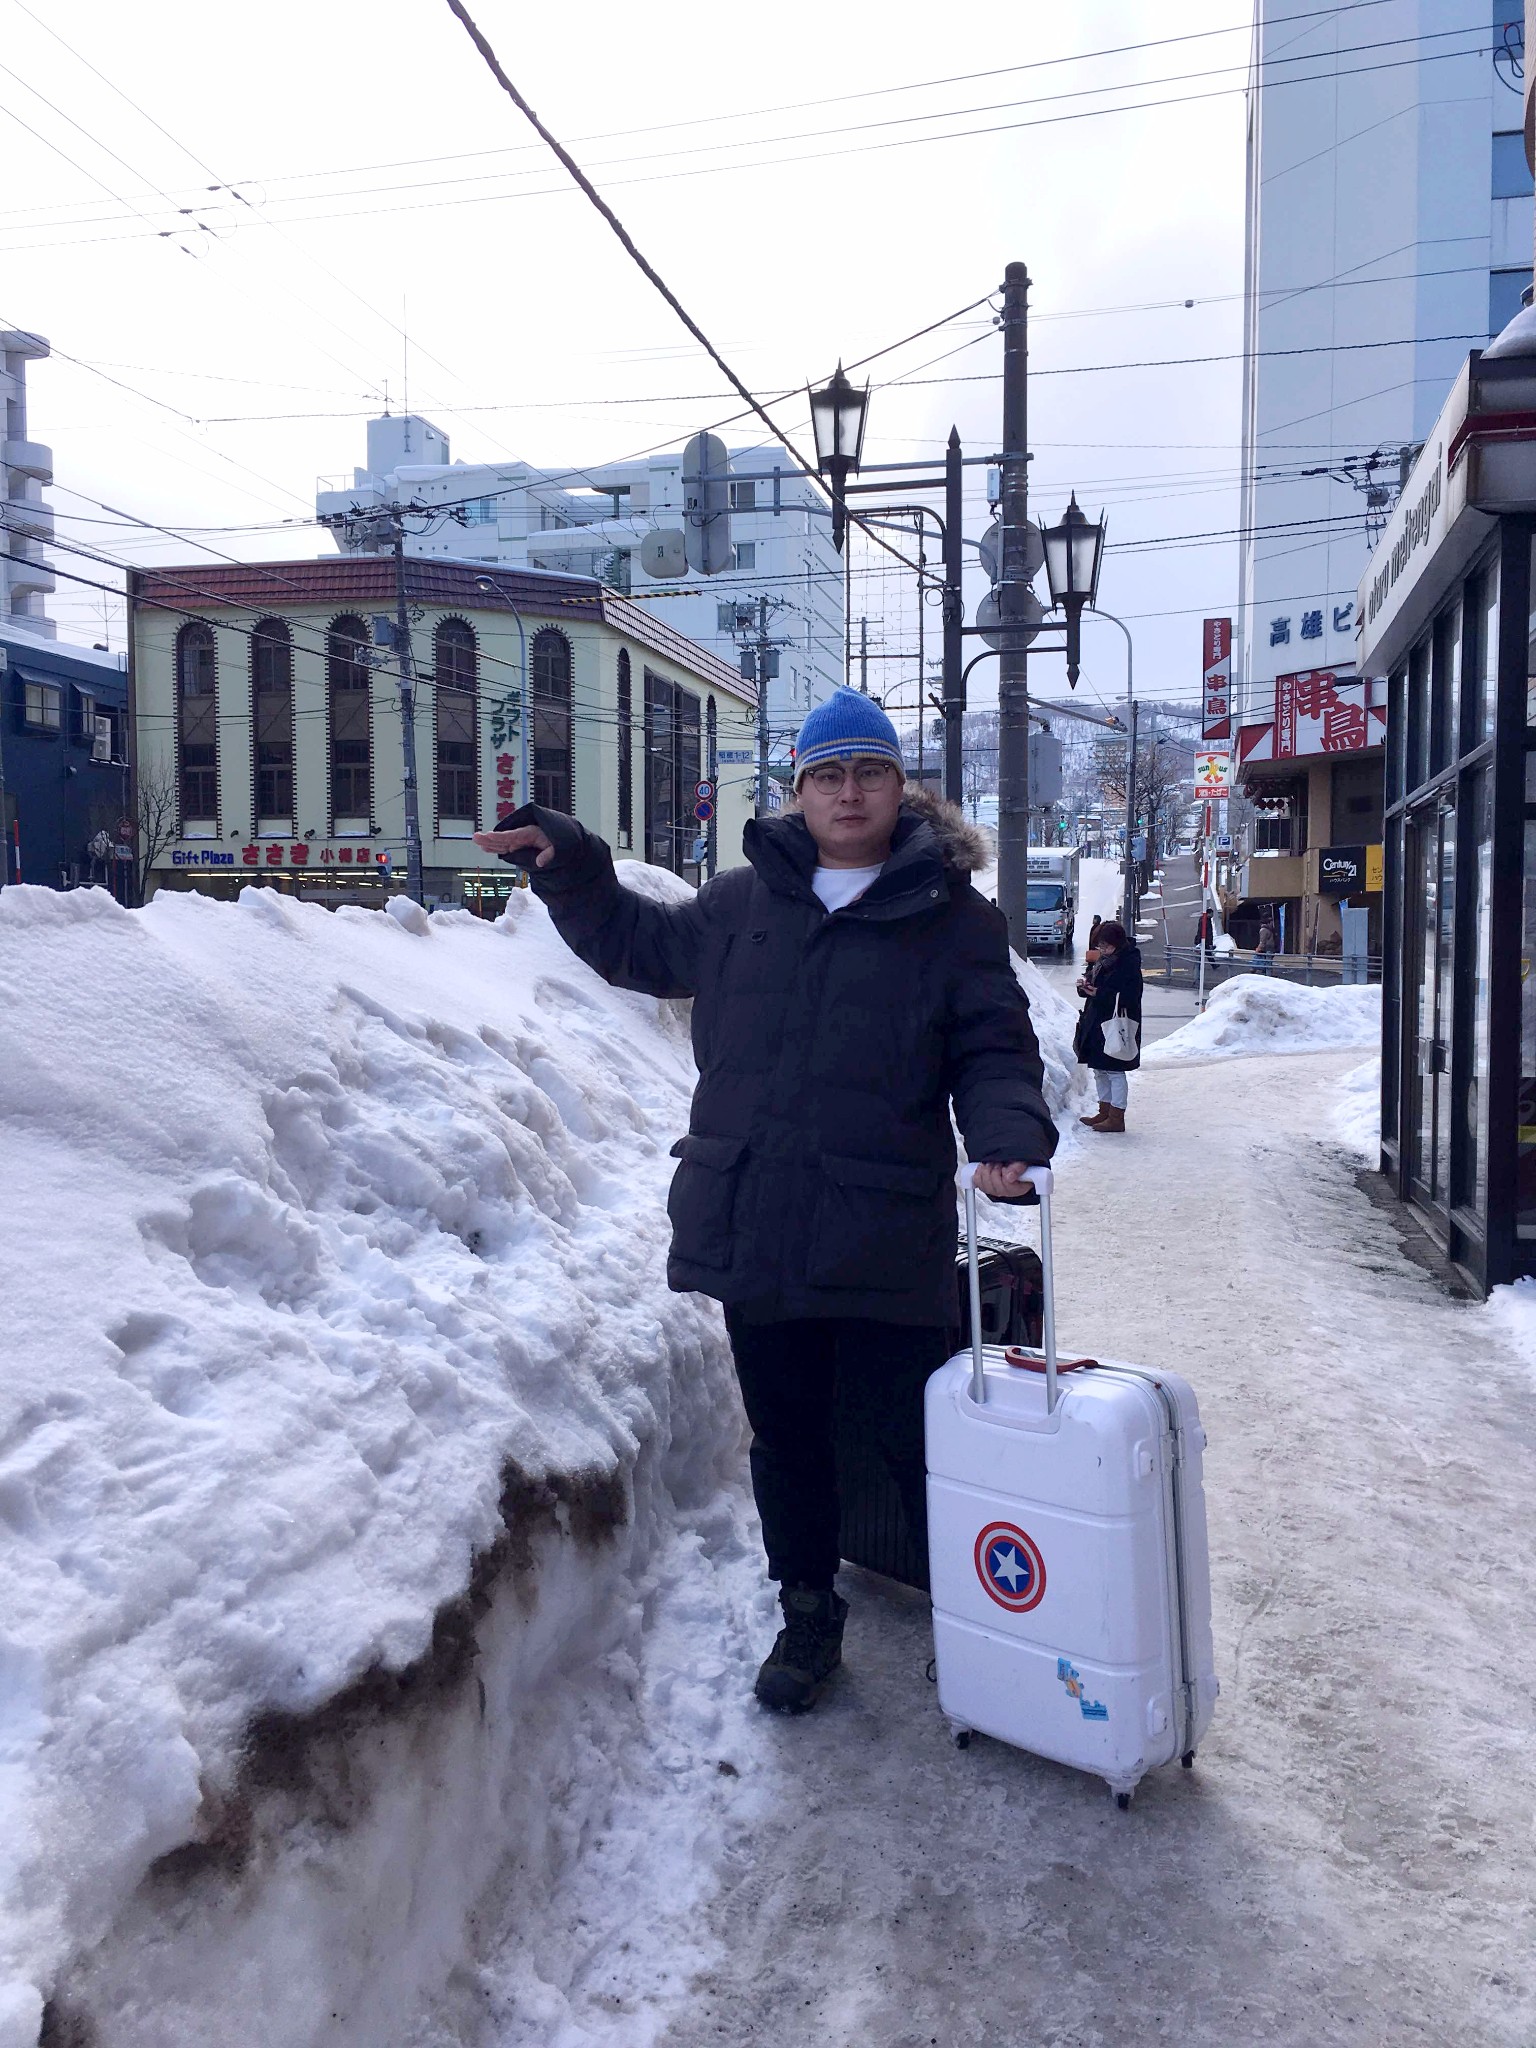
1357	1111
348	1436
334	1264
1256	1013
1067	1089
1513	1310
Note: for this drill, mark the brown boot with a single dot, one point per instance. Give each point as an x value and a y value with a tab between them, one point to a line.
1096	1121
1111	1120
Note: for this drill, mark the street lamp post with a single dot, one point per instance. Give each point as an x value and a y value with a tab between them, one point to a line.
1074	554
1074	550
838	412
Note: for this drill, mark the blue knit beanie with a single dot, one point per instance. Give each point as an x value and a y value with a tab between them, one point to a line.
847	726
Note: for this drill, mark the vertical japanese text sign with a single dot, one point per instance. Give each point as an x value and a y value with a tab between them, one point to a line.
1217	695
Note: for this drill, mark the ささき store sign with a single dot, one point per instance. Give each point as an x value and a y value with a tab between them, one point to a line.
285	854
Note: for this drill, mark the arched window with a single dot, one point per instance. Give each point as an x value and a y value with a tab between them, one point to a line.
456	665
272	725
346	676
197	733
626	709
550	732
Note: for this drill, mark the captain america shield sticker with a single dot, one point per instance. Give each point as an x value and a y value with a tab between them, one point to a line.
1009	1565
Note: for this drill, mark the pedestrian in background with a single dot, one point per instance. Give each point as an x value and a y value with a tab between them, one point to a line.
850	983
1108	1036
1093	940
1265	948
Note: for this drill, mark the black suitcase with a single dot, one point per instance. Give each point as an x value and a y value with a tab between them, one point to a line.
874	1531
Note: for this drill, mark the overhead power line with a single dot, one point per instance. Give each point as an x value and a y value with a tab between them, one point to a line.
647	269
1266	84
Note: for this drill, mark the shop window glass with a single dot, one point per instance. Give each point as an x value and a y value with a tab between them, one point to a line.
550	730
1525	1156
1477	952
197	732
626	712
1397	690
1530	647
1479	659
351	759
272	723
1445	689
1391	978
1418	715
456	674
673	761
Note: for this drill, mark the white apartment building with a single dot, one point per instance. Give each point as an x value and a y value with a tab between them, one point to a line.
25	465
591	522
1389	231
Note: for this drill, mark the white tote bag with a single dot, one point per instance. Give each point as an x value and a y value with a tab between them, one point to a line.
1120	1034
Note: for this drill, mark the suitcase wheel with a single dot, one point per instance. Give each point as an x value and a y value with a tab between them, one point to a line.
962	1738
1123	1801
1188	1759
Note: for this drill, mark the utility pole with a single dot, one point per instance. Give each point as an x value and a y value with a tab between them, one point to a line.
1013	585
864	656
764	650
1128	913
414	884
922	667
954	622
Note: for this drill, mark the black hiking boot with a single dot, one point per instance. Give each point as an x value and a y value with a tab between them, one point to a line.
808	1651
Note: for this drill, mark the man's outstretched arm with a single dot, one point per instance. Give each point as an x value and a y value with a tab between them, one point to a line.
629	940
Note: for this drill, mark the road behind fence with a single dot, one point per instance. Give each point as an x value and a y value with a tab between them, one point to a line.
1179	967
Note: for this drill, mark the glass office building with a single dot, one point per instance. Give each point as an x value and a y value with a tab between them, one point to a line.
1448	618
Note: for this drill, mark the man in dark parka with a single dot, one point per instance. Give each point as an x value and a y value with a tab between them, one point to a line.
849	984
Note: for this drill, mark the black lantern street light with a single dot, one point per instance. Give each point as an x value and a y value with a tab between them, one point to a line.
837	419
1074	549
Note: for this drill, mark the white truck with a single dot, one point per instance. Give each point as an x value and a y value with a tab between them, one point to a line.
1051	913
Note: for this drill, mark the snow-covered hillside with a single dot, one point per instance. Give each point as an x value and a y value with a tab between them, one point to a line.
346	1418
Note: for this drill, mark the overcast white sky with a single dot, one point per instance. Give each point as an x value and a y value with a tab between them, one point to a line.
372	178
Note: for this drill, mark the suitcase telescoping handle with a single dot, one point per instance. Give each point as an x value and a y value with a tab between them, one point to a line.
1039	1178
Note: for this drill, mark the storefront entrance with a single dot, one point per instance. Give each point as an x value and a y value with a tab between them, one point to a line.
1428	988
1456	735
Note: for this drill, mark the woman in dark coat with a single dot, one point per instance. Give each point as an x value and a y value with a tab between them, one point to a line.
1115	985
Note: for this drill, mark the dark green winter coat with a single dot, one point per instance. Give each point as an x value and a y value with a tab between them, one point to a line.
816	1178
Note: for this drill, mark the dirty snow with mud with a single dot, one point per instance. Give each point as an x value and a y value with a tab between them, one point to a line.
329	1236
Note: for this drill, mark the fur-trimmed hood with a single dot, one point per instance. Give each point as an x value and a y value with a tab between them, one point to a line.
964	846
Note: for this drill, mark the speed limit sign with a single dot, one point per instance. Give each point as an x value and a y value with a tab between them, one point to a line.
704	791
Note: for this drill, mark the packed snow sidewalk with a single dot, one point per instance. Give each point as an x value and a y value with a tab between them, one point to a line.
379	1596
1349	1860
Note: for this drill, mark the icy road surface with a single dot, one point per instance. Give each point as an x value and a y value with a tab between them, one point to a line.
1350	1859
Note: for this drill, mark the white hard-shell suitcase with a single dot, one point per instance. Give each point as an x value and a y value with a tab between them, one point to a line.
1067	1550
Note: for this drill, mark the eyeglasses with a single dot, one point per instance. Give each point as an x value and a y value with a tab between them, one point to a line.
867	774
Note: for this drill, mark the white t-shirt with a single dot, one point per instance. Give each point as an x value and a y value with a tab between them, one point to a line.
838	887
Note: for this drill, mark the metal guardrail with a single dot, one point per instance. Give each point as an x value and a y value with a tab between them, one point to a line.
1179	967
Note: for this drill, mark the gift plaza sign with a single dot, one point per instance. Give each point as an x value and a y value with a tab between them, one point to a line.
290	853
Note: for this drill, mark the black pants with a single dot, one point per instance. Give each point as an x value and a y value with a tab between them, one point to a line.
791	1377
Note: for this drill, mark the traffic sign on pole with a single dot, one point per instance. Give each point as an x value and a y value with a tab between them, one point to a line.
703	810
704	789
